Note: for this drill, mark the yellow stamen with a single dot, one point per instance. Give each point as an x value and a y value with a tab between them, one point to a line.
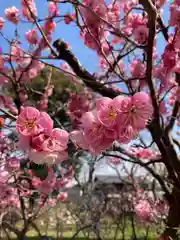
30	123
133	109
112	115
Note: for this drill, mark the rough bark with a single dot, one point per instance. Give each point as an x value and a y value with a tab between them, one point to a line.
173	219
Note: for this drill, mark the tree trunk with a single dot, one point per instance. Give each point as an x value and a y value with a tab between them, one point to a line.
173	219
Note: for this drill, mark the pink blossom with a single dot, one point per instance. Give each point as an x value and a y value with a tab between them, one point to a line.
53	9
177	2
46	186
48	158
17	53
49	149
137	69
1	23
107	110
12	14
49	26
57	141
174	16
32	36
77	106
31	122
143	153
164	75
62	196
29	10
13	163
78	138
135	111
37	141
126	133
114	160
144	210
61	183
24	142
4	176
97	136
68	19
32	73
170	56
141	34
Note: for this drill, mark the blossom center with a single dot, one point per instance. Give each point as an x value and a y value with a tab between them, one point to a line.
132	110
112	115
30	124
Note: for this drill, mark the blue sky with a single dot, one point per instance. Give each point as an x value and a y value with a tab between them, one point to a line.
69	33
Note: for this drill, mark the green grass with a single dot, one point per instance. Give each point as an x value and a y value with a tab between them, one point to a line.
108	228
64	238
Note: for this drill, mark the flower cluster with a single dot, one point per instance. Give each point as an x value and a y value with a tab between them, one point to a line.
42	142
78	104
29	10
118	119
149	210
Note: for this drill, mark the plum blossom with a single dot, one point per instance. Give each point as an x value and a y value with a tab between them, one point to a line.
141	34
137	69
49	26
17	53
46	186
12	14
29	9
114	160
62	196
98	136
31	122
32	36
143	153
57	141
37	137
48	158
170	56
95	136
24	142
135	111
144	210
174	16
53	9
79	139
77	106
107	110
1	23
68	18
12	163
118	119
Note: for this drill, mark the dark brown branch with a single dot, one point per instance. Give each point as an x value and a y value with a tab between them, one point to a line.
152	15
175	109
8	114
89	80
8	226
173	117
163	28
176	142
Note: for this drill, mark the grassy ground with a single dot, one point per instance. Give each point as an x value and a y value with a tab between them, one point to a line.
49	225
140	233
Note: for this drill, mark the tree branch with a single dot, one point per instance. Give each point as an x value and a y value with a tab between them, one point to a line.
90	81
175	109
163	28
152	15
8	114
